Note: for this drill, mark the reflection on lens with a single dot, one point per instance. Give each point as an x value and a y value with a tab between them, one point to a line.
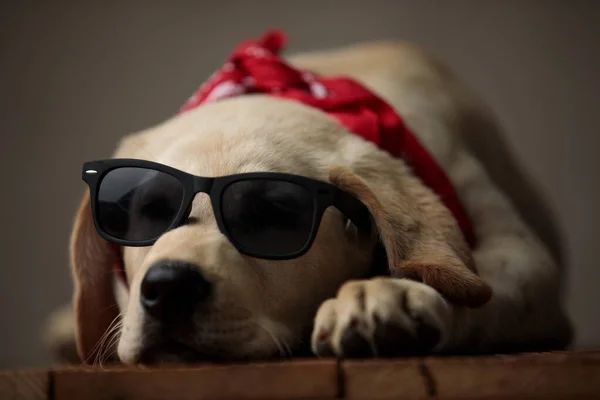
138	204
268	217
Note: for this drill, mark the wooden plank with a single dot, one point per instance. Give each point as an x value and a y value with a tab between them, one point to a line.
26	385
315	379
555	376
384	379
567	375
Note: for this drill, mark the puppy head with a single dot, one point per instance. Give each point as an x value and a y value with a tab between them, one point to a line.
244	307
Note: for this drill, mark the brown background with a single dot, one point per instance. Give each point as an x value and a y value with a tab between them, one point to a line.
75	77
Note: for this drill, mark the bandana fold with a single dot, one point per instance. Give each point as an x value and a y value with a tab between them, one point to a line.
256	67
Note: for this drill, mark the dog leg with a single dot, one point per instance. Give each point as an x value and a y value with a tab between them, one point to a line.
525	311
391	317
382	317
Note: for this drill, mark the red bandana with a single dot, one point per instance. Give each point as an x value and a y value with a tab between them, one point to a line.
255	67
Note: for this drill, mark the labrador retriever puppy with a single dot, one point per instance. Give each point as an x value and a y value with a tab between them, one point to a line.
409	284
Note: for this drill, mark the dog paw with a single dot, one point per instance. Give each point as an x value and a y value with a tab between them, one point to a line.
381	317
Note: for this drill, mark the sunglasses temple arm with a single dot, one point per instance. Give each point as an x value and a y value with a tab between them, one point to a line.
353	209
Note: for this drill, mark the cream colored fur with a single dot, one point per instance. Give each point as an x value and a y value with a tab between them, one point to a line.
265	308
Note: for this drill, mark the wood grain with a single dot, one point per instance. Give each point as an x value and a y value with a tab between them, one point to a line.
392	379
24	385
288	380
560	375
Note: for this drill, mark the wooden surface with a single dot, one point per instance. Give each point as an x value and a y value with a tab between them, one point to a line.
569	375
30	385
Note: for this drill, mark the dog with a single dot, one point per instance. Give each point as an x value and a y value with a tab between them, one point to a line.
410	285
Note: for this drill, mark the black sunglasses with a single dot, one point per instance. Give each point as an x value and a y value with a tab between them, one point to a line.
264	214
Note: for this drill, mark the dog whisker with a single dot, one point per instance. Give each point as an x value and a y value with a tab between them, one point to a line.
282	346
110	348
100	348
104	348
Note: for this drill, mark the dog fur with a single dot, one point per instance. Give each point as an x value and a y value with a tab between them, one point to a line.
438	296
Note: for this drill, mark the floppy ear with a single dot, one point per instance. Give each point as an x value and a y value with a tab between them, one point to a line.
429	248
92	260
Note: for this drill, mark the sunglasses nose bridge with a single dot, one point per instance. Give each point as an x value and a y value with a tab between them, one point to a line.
202	185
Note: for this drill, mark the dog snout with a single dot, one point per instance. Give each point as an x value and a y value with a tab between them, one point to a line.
171	291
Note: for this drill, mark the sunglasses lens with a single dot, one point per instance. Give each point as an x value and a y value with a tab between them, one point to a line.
138	204
268	217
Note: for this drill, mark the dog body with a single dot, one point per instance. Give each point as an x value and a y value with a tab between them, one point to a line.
329	300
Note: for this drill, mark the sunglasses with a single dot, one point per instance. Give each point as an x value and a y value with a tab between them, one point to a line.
263	214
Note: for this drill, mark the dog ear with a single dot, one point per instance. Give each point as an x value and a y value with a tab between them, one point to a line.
95	307
422	242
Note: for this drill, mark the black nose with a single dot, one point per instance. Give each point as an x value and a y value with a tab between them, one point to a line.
171	290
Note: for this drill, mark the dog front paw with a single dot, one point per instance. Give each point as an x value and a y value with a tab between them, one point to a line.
381	317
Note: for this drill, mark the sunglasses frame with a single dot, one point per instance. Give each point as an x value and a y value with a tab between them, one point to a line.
324	195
